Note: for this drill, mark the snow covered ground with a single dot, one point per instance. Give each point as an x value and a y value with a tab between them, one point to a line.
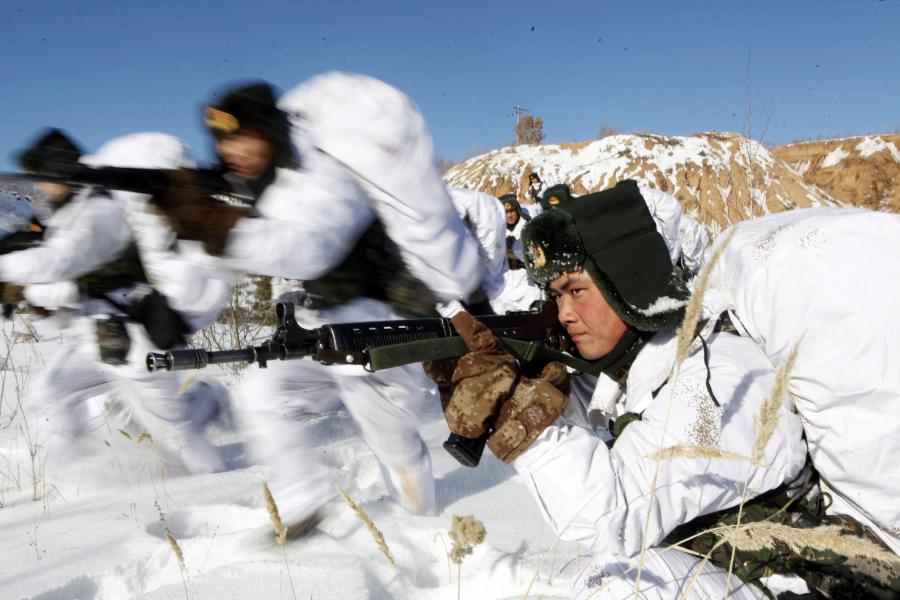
102	536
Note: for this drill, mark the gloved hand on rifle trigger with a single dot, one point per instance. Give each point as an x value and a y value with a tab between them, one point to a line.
194	214
479	382
485	391
529	410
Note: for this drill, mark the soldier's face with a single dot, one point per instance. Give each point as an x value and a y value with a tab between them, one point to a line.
55	192
246	152
592	324
512	216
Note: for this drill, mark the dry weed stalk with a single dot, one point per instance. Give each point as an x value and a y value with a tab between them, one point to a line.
182	567
37	459
185	385
695	304
768	414
684	340
173	543
280	529
370	525
764	426
687	451
764	534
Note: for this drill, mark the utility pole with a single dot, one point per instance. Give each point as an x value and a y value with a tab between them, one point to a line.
518	111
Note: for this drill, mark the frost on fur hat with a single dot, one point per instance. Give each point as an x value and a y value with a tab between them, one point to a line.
613	236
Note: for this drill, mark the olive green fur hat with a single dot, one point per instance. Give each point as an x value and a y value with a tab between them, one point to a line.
612	235
53	153
556	195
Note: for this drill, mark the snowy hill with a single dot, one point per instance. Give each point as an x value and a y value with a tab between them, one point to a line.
709	173
864	171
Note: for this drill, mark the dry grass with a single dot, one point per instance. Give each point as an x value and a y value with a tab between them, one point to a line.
684	341
29	430
182	566
280	529
695	305
173	543
767	419
370	525
704	452
757	536
465	533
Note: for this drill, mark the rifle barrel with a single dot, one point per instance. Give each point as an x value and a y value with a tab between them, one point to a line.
197	358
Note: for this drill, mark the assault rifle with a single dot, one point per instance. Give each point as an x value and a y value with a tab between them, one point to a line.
141	181
533	337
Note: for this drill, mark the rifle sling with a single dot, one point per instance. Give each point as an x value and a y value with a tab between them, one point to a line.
395	355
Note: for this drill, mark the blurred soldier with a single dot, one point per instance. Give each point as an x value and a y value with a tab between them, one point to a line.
348	202
119	315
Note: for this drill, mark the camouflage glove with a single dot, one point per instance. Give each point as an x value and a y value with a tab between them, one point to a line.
532	407
482	379
194	215
10	293
441	373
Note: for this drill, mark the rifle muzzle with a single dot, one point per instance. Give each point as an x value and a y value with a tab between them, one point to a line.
178	360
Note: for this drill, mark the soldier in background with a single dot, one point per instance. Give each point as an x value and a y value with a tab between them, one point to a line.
505	289
536	188
516	219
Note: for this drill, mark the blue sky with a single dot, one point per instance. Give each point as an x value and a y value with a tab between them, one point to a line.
804	68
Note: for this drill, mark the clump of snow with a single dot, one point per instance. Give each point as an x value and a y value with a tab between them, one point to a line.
834	157
872	144
661	305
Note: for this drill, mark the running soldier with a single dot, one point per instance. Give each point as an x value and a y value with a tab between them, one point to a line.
89	242
347	200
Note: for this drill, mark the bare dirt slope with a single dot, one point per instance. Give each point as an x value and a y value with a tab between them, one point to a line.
863	171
